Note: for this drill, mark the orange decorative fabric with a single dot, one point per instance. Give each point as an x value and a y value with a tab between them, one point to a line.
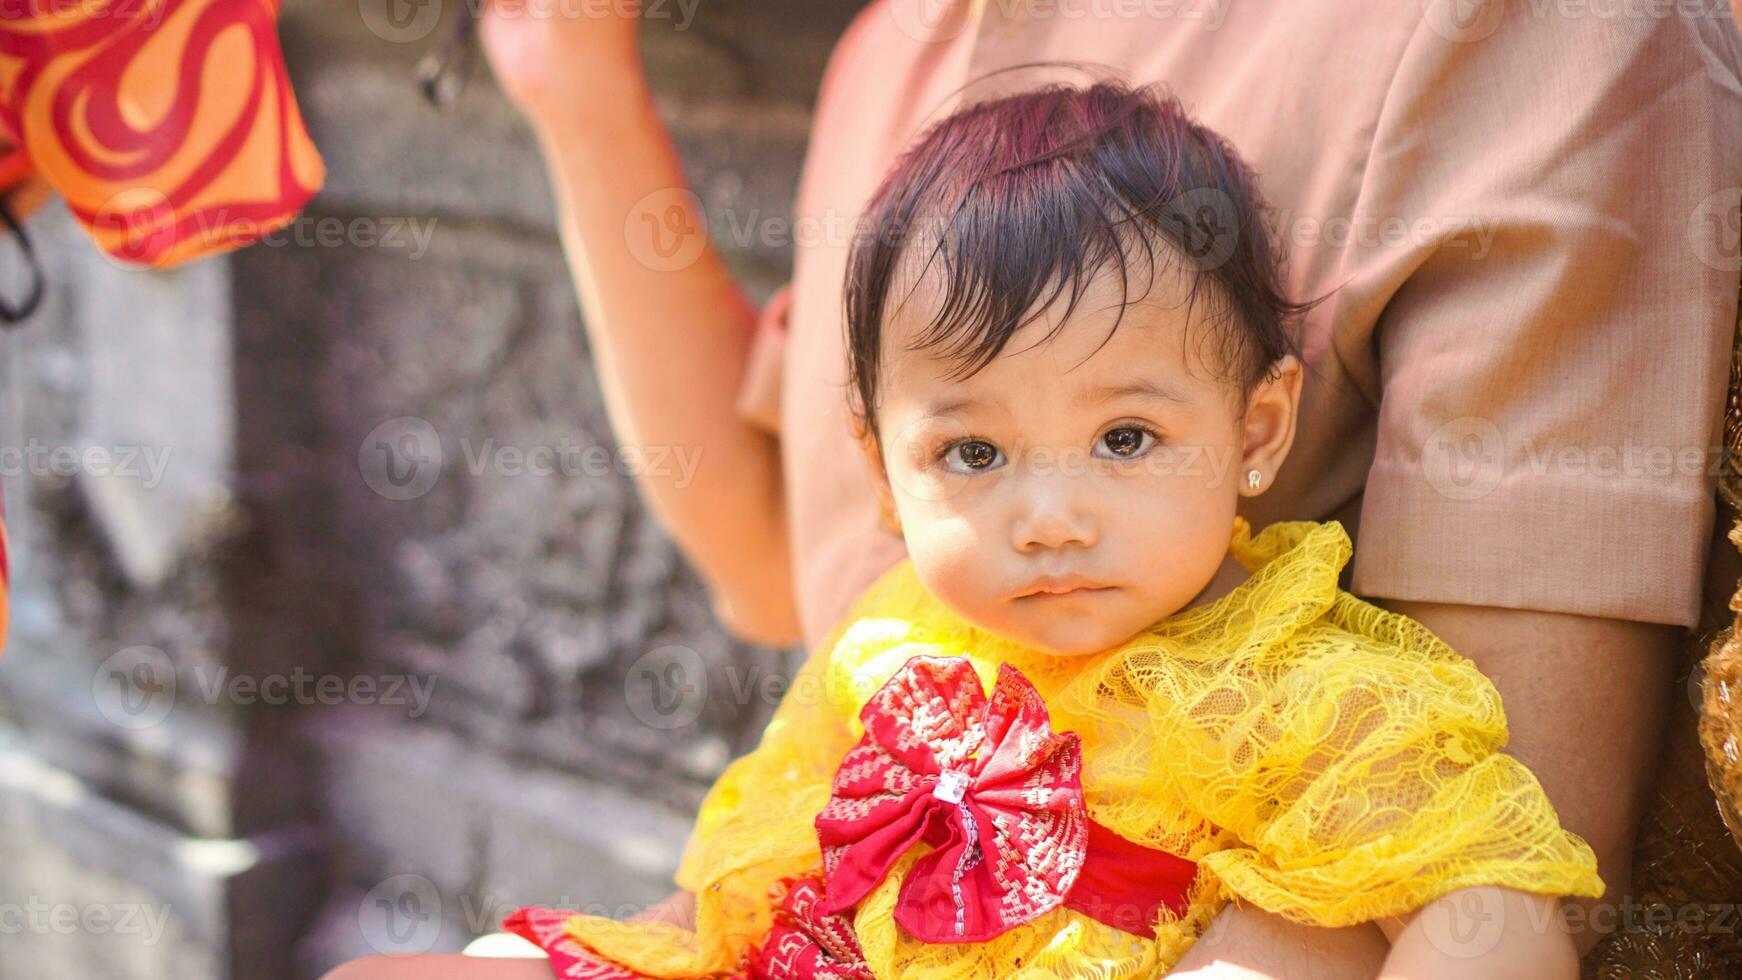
168	125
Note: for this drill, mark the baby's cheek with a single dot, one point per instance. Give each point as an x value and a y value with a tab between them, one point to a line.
953	563
1193	525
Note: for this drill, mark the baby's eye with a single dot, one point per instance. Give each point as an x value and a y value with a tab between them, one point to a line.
970	456
1125	442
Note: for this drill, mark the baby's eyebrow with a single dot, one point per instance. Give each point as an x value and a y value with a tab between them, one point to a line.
1140	387
951	406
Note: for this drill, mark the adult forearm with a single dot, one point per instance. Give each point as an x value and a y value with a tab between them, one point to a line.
1585	700
670	333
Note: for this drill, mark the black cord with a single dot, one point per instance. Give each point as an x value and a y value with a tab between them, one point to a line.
443	72
10	314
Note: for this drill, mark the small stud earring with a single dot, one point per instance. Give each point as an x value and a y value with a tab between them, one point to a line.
1254	478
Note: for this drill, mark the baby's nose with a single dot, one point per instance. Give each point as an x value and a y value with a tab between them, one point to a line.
1049	516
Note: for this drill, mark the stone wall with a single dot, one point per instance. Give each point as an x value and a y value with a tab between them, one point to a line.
305	665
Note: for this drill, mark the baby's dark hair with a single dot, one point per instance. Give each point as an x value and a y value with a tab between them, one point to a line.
1028	194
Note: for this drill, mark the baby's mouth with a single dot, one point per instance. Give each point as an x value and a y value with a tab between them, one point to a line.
1062	586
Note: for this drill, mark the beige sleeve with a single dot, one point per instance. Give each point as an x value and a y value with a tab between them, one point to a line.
759	397
1557	320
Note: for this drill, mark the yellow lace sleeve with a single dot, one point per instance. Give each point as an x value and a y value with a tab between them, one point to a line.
761	807
754	827
1356	759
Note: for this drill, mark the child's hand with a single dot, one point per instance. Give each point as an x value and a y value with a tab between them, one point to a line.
550	55
679	910
1488	932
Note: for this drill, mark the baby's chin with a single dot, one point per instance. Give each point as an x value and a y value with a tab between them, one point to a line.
1080	632
1064	626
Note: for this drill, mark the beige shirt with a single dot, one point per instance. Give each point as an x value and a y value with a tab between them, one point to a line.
1529	221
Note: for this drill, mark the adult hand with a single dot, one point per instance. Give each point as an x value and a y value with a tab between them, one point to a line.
550	54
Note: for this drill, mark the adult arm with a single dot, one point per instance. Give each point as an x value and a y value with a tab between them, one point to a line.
1568	684
1585	700
1523	503
669	330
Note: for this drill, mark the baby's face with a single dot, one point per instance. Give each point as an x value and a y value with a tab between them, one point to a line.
1066	497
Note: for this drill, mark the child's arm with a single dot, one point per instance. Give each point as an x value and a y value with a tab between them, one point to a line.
1489	932
679	909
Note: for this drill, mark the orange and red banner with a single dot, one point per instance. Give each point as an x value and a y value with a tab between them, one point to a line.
168	125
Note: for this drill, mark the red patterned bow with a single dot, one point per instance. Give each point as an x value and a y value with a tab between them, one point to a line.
986	782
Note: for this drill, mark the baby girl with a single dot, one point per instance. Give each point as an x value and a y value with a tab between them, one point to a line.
1059	736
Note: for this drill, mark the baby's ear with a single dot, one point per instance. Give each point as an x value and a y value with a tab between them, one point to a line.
872	452
1272	410
879	475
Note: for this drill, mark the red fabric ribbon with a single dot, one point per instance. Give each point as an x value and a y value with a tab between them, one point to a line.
569	960
804	943
1126	884
998	796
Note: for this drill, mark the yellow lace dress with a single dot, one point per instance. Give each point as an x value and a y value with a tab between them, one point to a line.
1316	755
